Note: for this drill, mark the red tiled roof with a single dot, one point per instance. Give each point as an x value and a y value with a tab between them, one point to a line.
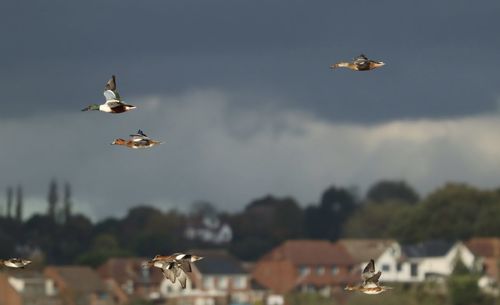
362	250
484	247
311	252
79	278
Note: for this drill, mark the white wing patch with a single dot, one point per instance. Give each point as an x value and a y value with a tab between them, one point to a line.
110	95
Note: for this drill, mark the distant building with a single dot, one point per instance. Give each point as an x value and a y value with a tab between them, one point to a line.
208	229
131	277
362	250
433	259
487	253
82	285
27	288
218	279
305	265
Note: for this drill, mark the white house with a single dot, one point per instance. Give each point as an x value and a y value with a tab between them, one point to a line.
418	262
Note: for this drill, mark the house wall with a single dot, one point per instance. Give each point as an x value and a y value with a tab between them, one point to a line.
442	265
8	295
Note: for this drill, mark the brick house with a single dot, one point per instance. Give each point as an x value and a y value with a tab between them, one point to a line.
26	288
131	277
218	279
306	265
487	254
82	285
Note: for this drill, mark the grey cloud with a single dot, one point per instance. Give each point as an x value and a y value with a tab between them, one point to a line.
215	153
56	55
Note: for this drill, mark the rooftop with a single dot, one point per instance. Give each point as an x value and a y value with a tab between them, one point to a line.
430	248
218	262
311	252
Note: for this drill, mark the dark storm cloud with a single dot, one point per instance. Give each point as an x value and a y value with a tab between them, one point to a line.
440	55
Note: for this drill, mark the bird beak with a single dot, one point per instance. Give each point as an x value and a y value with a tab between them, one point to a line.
197	258
86	108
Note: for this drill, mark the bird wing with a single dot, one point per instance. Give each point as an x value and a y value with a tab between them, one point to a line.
374	279
370	267
185	265
110	91
361	57
113	103
139	136
168	274
181	275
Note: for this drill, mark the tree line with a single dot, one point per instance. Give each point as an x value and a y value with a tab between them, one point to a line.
389	209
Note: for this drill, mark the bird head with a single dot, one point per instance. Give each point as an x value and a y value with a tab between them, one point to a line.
91	107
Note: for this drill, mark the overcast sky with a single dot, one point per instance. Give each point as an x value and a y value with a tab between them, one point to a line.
242	95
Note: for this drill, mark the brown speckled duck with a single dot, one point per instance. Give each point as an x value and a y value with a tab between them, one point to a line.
175	266
138	140
15	262
370	279
360	63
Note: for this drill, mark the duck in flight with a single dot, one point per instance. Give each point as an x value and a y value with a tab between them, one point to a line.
370	279
137	140
15	262
113	102
360	63
174	267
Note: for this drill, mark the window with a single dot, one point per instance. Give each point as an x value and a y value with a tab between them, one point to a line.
414	269
320	270
386	268
208	282
239	282
335	270
223	282
304	270
399	267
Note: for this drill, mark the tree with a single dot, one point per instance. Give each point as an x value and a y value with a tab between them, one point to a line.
104	246
10	195
326	220
67	202
387	190
377	221
52	199
19	204
264	223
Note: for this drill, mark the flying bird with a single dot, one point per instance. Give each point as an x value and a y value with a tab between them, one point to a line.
370	279
113	102
174	267
137	140
360	63
15	262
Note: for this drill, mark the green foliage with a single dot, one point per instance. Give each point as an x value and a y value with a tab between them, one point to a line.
263	224
104	247
463	290
377	221
460	269
140	302
326	220
453	212
386	190
308	299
